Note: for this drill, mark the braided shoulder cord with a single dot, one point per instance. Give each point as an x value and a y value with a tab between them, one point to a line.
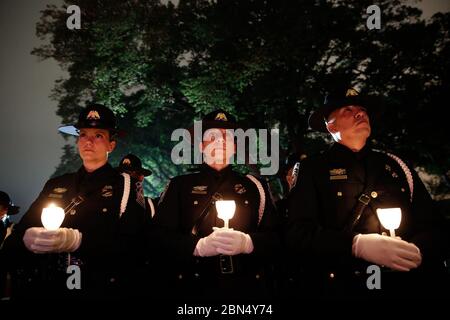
406	171
152	207
126	193
262	196
409	177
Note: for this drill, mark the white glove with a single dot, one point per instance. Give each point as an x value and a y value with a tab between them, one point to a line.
232	242
207	246
40	240
391	252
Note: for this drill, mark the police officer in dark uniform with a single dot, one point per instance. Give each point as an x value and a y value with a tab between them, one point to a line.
132	165
333	232
102	232
211	262
7	209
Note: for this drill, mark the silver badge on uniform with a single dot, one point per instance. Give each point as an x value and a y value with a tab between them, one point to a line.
239	188
107	191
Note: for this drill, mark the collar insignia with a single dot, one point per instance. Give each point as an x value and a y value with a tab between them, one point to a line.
239	189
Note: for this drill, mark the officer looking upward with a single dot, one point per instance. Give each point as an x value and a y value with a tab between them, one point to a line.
333	230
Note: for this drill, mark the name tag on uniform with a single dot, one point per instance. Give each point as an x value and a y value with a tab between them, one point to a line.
57	193
338	174
200	190
59	190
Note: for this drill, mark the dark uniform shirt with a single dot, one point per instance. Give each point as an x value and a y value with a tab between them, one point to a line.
111	244
178	211
322	205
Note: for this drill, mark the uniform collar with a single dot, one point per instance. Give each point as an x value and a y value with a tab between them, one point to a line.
346	152
88	182
96	173
210	171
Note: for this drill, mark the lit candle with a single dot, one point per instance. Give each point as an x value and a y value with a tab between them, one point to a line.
225	210
52	217
390	218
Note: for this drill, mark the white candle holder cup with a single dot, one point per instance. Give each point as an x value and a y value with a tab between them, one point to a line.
225	210
52	217
390	218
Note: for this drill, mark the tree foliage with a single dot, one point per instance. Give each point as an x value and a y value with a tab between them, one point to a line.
269	62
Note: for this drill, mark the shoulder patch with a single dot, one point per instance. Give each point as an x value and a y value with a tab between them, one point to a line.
295	172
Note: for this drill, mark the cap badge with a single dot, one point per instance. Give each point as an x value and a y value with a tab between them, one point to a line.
221	117
351	92
126	162
93	115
